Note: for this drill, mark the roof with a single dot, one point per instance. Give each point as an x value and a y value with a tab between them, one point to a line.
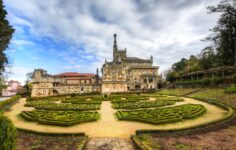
75	74
14	81
121	51
213	70
144	67
136	59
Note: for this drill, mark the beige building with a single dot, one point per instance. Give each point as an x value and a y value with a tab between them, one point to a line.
65	83
128	73
120	75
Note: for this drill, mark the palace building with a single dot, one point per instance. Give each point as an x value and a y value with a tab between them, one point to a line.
64	83
128	73
123	74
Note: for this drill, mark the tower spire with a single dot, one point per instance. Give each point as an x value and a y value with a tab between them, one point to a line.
115	44
97	71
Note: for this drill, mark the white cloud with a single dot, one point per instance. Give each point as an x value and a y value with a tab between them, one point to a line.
166	29
18	73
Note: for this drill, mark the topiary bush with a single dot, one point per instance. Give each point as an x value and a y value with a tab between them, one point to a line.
7	134
59	118
163	115
48	105
148	104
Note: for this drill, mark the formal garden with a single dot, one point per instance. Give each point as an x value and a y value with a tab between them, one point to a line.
123	115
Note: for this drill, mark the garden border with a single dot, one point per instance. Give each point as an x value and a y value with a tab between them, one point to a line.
228	119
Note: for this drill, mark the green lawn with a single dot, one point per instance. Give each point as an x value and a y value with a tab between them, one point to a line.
178	91
216	94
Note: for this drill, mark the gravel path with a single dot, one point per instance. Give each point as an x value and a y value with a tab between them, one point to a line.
108	125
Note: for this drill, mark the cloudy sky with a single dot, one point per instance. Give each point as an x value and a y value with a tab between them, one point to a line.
77	35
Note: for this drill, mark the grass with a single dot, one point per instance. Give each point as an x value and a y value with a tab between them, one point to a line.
216	94
178	91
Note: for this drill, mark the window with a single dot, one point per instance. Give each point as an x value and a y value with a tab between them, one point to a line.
150	80
145	80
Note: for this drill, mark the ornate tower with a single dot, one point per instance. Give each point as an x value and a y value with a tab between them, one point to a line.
115	49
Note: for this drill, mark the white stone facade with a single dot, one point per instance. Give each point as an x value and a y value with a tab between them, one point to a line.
128	73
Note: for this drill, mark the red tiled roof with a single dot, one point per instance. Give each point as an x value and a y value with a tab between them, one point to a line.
75	74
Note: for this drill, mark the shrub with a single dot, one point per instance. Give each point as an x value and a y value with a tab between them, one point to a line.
147	104
7	134
234	78
7	103
73	95
206	81
59	118
163	115
47	105
231	89
217	80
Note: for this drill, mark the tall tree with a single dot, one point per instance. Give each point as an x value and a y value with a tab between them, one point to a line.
6	32
208	59
224	33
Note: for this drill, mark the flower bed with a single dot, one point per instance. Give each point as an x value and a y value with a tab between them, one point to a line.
163	115
60	118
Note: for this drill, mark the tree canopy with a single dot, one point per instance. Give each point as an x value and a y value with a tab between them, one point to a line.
223	50
6	32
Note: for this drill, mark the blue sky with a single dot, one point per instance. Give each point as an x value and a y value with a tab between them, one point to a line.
77	35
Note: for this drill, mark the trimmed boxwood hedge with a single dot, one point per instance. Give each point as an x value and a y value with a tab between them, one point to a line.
39	102
7	134
160	101
59	118
163	115
62	106
78	101
4	105
137	105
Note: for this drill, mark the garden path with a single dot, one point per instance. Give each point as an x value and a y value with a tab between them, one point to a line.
108	125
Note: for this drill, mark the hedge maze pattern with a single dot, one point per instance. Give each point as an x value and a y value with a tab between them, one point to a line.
59	118
137	105
64	106
163	115
161	101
